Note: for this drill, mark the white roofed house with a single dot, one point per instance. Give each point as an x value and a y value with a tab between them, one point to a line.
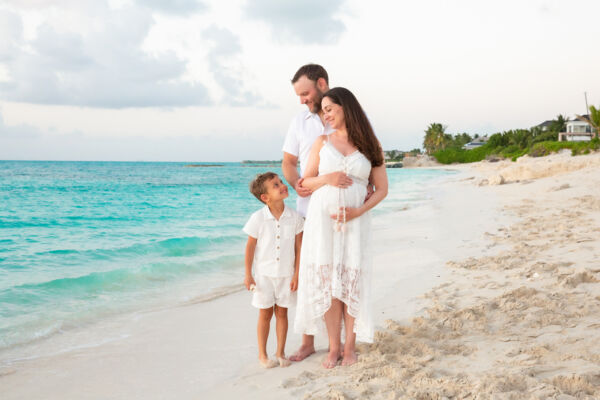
578	130
475	143
546	125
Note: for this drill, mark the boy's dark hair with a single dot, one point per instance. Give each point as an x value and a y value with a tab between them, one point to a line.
312	72
257	186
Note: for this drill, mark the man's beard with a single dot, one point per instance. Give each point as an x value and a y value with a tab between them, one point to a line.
317	102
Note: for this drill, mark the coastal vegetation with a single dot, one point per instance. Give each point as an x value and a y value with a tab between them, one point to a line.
203	165
437	139
490	152
398	155
511	144
261	161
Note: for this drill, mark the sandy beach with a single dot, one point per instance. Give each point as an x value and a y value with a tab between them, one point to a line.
489	291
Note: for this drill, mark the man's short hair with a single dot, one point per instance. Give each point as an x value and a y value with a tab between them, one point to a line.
312	72
257	186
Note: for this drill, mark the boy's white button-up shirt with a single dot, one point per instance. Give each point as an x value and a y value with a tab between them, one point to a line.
304	129
274	254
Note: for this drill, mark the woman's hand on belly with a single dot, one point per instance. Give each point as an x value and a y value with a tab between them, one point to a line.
351	213
338	179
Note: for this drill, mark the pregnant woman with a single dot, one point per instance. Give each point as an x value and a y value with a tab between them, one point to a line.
335	261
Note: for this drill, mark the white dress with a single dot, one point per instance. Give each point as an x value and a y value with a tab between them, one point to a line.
336	262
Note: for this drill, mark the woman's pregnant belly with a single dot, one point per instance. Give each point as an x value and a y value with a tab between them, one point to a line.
330	197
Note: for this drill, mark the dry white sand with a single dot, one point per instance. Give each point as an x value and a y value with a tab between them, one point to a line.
526	168
489	292
520	319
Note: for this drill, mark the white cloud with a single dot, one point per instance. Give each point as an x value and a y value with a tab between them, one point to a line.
11	30
103	67
106	66
309	21
181	7
224	65
200	79
22	141
18	132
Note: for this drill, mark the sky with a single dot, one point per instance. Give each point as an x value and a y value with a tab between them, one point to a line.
204	80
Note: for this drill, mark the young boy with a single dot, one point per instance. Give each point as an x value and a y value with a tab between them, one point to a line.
273	248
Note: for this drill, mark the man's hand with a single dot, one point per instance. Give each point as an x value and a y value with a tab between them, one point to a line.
301	190
370	192
249	281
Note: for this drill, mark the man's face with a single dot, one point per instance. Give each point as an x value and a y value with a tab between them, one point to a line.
276	190
309	93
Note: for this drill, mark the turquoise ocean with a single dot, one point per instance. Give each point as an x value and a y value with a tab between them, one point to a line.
83	241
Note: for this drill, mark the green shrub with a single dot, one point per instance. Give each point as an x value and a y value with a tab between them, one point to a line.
577	148
584	147
540	149
459	155
497	140
513	148
450	156
512	145
545	137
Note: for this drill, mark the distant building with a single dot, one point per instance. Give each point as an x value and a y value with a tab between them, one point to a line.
544	126
577	131
475	143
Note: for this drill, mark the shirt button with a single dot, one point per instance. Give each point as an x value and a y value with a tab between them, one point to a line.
277	247
278	226
277	258
277	236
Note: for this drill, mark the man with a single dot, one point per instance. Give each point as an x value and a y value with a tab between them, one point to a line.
310	83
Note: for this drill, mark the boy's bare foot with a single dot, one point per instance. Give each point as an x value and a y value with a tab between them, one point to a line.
350	358
331	360
303	352
284	362
267	363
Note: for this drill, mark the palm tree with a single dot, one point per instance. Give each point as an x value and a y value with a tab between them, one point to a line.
593	119
434	138
559	124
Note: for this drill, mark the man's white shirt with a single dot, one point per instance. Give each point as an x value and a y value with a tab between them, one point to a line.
274	254
304	129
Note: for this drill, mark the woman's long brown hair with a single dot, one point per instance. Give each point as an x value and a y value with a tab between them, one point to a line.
360	132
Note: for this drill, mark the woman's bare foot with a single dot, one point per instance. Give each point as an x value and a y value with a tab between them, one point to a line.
331	360
350	358
267	363
303	352
284	362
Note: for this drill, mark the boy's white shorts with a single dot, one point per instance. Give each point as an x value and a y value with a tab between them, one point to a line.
271	290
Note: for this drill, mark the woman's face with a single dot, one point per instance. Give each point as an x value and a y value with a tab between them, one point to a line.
333	113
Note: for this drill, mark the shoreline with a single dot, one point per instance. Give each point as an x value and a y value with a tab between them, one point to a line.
182	294
450	281
127	332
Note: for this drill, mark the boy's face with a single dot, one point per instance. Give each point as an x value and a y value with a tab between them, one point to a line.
276	190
